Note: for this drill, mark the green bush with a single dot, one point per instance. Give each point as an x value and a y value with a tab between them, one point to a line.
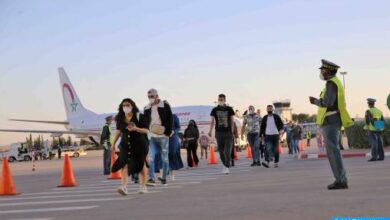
358	138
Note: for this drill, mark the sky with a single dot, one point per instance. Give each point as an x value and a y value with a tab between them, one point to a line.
190	51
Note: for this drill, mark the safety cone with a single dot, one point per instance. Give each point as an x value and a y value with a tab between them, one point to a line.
235	154
301	147
7	186
280	149
212	159
248	152
67	179
117	175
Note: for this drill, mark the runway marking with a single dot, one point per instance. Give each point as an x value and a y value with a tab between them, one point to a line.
131	187
89	191
48	209
70	196
64	201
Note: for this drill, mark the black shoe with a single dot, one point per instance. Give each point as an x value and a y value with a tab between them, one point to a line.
253	164
232	163
163	181
265	165
371	160
258	164
336	186
381	159
151	182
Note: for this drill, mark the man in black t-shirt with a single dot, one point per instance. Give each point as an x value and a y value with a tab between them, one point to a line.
222	119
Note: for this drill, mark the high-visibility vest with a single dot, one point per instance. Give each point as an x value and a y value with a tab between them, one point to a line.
109	128
346	120
377	116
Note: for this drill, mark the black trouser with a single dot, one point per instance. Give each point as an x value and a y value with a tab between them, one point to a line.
225	145
271	146
191	153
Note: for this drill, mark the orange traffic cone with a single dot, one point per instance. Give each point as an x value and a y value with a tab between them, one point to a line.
117	175
301	147
248	152
235	154
212	159
280	149
7	186
67	179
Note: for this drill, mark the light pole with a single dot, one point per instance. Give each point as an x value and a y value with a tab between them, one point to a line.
343	74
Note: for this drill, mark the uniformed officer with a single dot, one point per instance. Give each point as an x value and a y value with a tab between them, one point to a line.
375	126
332	114
106	141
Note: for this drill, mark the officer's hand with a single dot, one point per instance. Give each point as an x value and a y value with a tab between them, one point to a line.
209	134
312	100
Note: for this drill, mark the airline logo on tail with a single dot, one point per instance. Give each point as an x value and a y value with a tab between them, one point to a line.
74	104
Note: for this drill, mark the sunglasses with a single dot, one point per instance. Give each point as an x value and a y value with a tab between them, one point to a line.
151	96
126	105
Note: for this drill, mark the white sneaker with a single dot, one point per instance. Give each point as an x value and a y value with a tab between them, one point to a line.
173	178
224	170
143	190
122	190
227	171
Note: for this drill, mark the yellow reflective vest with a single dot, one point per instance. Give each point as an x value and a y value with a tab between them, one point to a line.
346	120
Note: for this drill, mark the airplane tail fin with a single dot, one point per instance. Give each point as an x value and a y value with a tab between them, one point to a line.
73	106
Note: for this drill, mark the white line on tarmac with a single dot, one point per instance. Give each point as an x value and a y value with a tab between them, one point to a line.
90	191
129	187
70	196
64	201
48	209
31	219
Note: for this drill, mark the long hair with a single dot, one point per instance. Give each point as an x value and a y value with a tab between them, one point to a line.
195	125
121	117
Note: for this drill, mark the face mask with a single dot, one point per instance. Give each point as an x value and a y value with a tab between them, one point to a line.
322	77
152	100
221	103
251	111
127	109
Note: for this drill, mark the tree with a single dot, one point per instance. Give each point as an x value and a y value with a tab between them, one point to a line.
69	141
304	118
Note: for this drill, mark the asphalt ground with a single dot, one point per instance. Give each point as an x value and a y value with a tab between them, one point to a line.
295	190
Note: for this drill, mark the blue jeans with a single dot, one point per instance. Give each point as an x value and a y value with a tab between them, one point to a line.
254	142
106	162
158	146
376	140
331	135
295	146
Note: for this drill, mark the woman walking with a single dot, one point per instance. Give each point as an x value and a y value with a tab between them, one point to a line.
175	162
191	136
132	127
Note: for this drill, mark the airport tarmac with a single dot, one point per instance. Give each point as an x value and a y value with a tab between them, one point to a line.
295	190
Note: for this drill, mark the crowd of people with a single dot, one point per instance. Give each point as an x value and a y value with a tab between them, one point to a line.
150	142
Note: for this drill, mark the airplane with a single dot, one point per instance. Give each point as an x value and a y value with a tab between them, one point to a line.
84	123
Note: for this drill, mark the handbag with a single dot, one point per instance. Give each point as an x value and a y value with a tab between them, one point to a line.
379	125
157	129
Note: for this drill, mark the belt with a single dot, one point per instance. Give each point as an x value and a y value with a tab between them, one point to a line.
331	113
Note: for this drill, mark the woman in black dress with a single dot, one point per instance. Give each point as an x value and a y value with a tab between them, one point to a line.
132	127
191	136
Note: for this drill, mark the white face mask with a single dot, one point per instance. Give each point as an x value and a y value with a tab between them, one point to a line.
251	111
127	109
221	103
152	100
322	77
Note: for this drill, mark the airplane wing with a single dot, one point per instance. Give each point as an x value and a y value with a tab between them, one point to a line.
40	121
54	132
